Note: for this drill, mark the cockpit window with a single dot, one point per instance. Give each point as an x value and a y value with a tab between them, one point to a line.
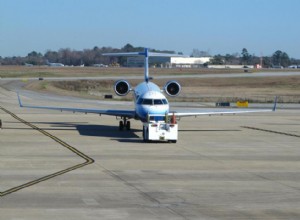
142	101
139	101
158	102
147	102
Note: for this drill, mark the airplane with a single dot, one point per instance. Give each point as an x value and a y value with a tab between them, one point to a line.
28	64
54	64
149	100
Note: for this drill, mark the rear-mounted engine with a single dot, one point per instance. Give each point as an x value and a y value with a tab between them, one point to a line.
172	88
122	87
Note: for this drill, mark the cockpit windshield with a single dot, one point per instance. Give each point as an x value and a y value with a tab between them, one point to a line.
157	102
142	101
147	102
165	101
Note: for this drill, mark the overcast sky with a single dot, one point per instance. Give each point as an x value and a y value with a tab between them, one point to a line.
217	26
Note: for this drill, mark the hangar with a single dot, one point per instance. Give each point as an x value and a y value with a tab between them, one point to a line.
169	62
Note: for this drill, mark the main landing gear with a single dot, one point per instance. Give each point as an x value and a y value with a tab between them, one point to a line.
124	123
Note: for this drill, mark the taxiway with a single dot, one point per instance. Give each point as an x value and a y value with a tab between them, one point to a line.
220	168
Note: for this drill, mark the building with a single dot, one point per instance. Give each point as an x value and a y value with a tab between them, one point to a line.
188	62
231	66
169	62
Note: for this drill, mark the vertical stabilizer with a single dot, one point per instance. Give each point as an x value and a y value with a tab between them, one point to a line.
146	63
146	55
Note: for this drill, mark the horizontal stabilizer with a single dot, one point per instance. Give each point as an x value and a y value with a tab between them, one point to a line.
146	53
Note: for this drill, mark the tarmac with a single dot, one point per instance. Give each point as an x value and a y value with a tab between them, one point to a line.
59	165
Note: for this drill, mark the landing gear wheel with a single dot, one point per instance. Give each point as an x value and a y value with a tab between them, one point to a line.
121	125
145	135
128	125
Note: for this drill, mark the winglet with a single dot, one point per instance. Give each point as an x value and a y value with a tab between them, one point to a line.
20	103
275	104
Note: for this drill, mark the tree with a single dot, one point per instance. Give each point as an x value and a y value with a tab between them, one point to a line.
128	48
199	53
246	57
276	57
285	60
34	54
94	55
217	60
280	58
34	58
267	62
229	59
51	56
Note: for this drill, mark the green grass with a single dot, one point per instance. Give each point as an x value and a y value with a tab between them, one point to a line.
45	71
193	89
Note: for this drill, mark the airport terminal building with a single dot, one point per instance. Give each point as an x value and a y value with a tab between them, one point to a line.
169	62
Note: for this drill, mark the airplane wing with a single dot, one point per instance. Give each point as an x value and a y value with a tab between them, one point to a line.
120	113
217	112
221	111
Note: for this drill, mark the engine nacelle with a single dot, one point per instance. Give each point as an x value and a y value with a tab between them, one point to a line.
122	87
172	88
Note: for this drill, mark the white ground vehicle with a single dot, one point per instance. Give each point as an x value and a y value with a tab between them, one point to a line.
161	130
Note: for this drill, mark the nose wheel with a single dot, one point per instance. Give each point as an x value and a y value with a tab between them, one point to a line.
124	123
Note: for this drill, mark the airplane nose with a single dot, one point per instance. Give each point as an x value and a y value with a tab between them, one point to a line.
155	109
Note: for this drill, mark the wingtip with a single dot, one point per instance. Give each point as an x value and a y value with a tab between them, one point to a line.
275	104
19	99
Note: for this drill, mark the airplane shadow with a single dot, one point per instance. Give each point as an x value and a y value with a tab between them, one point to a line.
86	129
96	130
106	131
207	130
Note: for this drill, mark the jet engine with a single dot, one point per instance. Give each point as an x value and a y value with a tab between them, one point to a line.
172	88
122	87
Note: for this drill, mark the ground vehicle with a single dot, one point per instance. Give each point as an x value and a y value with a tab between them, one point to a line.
162	130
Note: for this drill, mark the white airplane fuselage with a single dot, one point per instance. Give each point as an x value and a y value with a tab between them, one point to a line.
149	100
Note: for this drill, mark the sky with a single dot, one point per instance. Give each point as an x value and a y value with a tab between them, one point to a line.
216	26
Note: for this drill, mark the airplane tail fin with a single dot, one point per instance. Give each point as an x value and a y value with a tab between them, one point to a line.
146	54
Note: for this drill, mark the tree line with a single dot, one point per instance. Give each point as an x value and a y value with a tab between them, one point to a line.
90	57
277	59
68	57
